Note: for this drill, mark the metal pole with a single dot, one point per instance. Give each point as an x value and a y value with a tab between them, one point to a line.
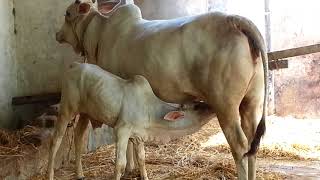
271	98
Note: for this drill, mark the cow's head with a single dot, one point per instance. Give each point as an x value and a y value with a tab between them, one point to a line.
74	15
71	31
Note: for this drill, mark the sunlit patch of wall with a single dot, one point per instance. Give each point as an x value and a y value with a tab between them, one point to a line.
297	89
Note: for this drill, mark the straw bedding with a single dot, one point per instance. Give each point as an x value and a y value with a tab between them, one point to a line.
182	159
16	143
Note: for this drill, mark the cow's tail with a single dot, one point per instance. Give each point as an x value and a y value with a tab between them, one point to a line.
258	47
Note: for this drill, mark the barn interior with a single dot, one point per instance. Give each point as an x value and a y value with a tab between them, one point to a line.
32	63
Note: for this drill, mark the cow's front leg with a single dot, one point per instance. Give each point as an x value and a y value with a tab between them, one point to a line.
78	141
122	137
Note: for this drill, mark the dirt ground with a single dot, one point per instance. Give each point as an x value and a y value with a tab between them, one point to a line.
290	150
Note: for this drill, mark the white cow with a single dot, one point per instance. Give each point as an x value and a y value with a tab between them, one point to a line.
217	58
128	106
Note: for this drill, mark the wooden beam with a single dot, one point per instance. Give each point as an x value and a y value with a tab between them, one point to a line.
281	64
294	52
37	99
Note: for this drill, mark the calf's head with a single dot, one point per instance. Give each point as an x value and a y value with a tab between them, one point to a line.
75	14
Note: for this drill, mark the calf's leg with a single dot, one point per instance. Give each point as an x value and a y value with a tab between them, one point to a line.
60	129
130	158
122	137
78	141
140	154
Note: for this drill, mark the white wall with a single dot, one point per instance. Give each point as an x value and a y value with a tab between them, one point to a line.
8	75
40	58
295	24
166	9
31	61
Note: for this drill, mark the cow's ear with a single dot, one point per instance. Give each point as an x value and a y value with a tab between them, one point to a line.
107	7
174	115
84	8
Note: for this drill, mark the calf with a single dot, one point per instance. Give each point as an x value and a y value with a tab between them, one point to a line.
129	106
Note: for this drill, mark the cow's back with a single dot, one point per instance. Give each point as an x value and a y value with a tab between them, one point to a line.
176	56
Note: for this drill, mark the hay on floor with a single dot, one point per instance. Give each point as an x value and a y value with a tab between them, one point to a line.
14	143
182	159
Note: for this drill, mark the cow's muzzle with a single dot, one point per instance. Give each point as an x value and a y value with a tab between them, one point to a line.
59	37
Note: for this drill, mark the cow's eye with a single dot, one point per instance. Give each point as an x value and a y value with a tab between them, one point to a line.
67	13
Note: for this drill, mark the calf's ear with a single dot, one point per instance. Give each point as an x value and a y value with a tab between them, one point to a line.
174	115
84	8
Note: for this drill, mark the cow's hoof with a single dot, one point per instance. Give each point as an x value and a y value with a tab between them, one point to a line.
82	178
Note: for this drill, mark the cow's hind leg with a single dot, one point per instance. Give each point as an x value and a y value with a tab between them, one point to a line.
78	141
251	109
225	100
229	121
60	129
250	116
229	78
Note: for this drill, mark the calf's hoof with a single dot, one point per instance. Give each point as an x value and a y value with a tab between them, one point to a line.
81	178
